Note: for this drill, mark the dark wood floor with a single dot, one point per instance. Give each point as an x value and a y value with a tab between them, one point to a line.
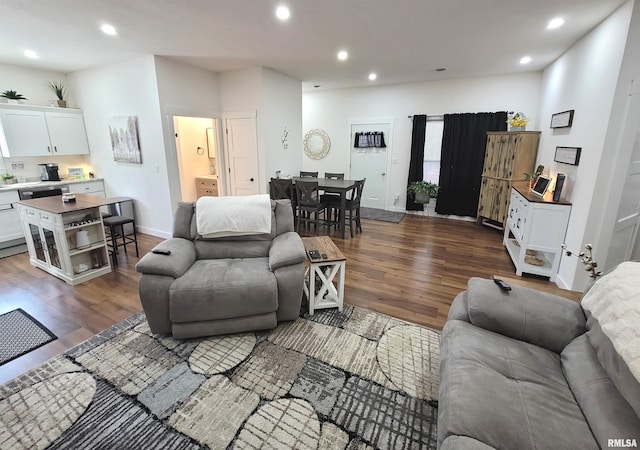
411	270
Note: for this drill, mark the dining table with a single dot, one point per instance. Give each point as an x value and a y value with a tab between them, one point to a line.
341	187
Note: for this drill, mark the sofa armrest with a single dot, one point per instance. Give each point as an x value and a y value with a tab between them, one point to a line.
183	255
525	314
286	249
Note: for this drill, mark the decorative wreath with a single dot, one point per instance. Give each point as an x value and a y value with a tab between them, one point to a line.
317	144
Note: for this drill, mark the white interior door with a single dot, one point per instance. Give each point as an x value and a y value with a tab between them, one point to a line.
371	162
625	232
242	155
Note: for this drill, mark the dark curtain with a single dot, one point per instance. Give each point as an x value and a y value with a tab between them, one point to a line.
464	140
416	165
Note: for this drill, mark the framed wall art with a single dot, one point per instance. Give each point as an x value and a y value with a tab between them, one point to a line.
124	139
562	119
568	155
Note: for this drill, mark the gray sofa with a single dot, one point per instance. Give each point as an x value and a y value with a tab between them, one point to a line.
223	285
530	370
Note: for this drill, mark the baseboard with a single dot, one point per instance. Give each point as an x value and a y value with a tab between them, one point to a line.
154	232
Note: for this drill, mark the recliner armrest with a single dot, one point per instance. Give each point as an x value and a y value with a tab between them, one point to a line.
285	250
183	255
525	314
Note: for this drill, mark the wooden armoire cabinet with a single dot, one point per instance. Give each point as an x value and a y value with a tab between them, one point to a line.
509	154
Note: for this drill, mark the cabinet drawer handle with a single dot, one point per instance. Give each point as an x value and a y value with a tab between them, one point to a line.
48	149
55	148
518	224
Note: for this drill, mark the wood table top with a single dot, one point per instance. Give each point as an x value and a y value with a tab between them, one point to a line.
324	245
55	204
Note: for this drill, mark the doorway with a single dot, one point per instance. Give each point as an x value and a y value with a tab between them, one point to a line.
197	147
371	163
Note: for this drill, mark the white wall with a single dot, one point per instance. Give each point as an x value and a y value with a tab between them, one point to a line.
128	89
583	79
32	83
331	111
613	170
281	107
183	90
276	98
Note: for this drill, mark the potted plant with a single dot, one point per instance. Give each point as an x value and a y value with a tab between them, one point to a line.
533	176
60	90
422	191
9	178
12	96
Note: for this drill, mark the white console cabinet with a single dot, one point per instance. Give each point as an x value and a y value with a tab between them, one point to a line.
534	233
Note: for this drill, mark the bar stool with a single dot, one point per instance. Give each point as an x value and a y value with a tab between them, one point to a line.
115	227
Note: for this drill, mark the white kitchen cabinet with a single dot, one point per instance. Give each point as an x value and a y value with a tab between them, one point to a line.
88	187
535	231
40	131
10	225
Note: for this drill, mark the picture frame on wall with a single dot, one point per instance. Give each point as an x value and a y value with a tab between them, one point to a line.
568	155
562	119
123	131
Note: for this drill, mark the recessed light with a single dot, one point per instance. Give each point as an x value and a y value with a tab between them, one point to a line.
372	76
108	29
441	69
31	54
555	23
283	13
525	60
342	55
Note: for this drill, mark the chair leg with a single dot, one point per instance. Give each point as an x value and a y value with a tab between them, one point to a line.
124	240
135	239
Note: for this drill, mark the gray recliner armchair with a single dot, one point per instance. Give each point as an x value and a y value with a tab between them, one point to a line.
226	284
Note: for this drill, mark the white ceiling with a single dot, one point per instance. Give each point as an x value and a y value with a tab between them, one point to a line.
401	40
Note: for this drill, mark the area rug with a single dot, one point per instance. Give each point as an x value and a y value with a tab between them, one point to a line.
349	380
381	214
20	333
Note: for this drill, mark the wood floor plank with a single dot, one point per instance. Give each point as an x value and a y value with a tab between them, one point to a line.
411	270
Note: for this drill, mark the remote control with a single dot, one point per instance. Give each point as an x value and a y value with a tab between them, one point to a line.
503	285
162	252
314	254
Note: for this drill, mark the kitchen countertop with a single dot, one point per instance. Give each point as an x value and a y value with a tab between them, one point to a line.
55	204
31	184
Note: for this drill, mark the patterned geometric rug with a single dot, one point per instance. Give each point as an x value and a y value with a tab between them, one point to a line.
381	214
20	333
350	380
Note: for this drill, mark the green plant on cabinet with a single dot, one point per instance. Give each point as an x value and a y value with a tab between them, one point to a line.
422	191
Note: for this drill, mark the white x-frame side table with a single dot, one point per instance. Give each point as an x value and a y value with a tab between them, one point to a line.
330	272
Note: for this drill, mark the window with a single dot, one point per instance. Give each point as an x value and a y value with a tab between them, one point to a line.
432	149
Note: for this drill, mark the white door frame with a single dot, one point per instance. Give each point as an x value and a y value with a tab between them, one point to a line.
389	141
227	157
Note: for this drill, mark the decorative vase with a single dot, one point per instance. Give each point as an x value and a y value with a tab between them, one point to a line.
518	128
62	103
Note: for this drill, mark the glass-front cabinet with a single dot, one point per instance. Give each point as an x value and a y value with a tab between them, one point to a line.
70	245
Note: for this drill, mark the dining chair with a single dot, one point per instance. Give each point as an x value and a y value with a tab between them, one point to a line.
328	197
352	208
282	188
309	205
308	174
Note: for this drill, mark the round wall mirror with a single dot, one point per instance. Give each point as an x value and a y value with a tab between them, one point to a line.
317	144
